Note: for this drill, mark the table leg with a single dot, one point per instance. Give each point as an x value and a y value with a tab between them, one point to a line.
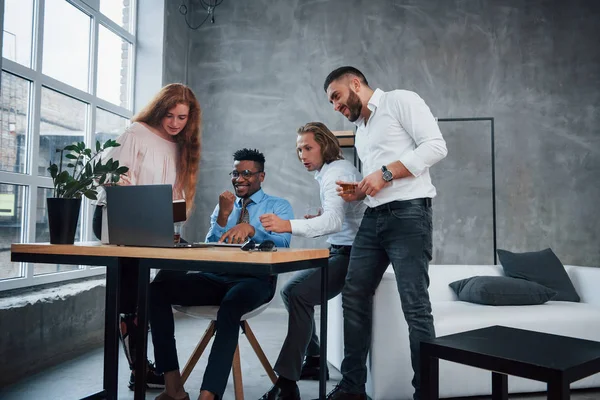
499	386
142	332
559	389
323	337
430	371
111	339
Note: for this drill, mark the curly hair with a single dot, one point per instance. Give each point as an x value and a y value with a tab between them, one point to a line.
329	143
250	155
188	140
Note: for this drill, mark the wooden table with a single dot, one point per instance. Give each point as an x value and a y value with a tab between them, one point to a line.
213	259
556	360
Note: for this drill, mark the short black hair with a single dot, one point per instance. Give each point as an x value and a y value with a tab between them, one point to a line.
341	71
250	155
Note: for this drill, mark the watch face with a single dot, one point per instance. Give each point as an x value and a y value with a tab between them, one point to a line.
387	176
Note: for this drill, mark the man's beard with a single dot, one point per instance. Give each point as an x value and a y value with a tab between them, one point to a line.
354	106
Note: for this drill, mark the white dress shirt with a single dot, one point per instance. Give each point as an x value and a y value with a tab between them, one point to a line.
340	220
401	128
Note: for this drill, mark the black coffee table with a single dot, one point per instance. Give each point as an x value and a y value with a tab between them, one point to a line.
556	360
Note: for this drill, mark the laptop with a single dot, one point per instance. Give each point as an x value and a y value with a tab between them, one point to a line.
142	215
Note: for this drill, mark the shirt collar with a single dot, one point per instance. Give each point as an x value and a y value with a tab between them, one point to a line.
375	99
256	197
319	174
371	105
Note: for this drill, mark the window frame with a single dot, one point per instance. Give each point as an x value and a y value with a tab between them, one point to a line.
30	178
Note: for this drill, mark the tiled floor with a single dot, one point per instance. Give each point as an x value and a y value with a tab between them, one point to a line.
76	378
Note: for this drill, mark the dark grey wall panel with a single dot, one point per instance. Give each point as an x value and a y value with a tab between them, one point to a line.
534	66
463	208
175	45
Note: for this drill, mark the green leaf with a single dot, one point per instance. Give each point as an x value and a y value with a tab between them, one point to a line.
90	194
81	146
71	156
102	179
71	147
71	165
88	152
53	169
98	146
88	169
121	170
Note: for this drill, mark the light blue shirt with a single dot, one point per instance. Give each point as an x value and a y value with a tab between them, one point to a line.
261	204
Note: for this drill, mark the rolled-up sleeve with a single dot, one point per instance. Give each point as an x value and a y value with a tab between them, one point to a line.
418	121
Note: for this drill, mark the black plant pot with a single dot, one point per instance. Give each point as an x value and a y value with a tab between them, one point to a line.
63	215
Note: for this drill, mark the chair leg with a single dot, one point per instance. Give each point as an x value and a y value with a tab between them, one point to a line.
259	352
237	375
193	360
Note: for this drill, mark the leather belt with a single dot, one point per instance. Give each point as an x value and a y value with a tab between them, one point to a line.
340	246
400	204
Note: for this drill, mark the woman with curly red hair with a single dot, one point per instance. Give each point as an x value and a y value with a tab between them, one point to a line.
161	146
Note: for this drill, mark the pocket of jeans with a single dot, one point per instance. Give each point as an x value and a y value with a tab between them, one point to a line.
415	212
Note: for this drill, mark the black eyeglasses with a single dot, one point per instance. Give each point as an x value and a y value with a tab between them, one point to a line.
244	174
267	245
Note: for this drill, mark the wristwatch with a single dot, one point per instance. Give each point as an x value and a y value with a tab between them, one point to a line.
387	174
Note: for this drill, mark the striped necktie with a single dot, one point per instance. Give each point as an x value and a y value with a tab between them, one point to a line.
244	216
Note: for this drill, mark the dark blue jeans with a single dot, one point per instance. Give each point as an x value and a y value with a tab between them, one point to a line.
236	295
402	237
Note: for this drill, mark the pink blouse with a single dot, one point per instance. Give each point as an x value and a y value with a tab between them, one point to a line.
150	158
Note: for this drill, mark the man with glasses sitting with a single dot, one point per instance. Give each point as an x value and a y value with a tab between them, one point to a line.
234	220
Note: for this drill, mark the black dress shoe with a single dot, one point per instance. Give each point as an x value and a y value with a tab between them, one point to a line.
311	368
338	394
278	393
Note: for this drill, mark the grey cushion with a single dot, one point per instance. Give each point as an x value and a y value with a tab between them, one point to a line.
542	267
501	291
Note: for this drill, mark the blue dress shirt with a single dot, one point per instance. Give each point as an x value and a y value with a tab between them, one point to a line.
261	204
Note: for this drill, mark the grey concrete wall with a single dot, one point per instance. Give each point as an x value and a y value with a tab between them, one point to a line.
534	66
175	45
40	328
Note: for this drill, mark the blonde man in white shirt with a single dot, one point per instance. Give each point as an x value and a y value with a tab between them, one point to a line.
319	150
397	140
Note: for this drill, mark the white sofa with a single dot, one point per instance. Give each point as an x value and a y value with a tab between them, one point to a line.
390	371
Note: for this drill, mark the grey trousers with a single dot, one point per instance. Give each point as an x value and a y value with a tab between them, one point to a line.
300	295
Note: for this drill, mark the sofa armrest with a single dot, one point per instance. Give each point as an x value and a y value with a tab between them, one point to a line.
586	281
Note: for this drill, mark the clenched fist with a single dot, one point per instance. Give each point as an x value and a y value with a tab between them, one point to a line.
273	223
226	202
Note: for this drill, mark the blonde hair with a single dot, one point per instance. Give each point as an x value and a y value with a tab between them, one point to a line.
188	140
330	145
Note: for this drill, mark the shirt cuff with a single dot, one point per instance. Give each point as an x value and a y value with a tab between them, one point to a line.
413	163
219	230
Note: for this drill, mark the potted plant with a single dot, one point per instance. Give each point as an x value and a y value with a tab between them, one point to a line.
85	171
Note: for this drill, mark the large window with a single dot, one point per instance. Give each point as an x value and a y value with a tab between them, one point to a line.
66	76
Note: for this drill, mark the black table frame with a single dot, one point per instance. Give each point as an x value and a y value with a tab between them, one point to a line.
113	287
558	381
